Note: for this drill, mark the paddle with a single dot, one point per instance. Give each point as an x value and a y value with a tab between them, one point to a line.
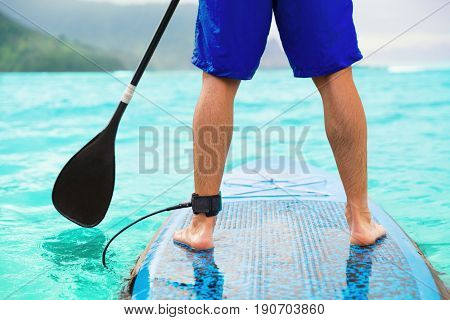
84	188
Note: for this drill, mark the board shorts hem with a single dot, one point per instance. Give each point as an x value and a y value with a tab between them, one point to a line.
209	68
304	73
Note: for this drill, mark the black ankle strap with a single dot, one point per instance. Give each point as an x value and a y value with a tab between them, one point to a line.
209	205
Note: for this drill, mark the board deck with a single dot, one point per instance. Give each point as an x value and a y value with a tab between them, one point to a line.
284	236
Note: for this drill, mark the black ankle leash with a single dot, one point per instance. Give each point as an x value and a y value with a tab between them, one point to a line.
209	205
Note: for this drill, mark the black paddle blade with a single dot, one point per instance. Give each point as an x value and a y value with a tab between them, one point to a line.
84	188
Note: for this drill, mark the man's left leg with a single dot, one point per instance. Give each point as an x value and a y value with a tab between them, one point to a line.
212	129
230	38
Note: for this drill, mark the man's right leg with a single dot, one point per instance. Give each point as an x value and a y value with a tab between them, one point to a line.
346	129
213	129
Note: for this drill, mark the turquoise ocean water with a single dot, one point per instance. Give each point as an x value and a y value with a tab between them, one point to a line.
45	118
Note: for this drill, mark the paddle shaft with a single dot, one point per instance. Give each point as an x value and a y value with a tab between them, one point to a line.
83	190
129	91
128	94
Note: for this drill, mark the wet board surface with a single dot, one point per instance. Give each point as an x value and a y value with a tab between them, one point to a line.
284	236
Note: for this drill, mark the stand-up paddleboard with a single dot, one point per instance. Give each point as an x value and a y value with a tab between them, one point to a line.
282	234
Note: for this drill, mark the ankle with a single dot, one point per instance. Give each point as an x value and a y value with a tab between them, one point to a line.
357	206
358	214
201	221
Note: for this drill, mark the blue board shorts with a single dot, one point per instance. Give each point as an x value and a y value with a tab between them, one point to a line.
318	36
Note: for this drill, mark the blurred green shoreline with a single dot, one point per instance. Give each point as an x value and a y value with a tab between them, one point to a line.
74	35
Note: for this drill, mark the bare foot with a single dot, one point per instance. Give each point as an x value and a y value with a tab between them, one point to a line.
364	231
199	234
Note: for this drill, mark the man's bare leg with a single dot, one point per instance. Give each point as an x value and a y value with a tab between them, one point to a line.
346	129
213	129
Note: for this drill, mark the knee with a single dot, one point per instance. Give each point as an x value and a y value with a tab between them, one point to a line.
328	83
210	80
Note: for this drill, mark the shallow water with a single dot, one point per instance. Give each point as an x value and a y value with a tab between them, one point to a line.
45	118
